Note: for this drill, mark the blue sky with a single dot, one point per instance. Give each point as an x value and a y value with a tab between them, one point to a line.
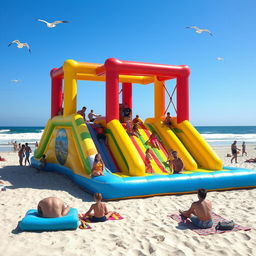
221	92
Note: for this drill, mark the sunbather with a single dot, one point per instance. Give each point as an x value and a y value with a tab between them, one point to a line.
201	209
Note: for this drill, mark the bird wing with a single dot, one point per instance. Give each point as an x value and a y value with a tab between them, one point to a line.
207	30
42	21
60	21
13	42
26	44
194	27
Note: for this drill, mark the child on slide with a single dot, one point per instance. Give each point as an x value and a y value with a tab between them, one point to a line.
153	140
98	166
99	209
168	120
148	165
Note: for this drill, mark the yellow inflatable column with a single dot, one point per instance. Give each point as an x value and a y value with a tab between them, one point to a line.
70	87
159	98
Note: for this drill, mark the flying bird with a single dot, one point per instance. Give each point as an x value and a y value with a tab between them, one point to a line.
53	24
20	45
220	58
15	81
200	30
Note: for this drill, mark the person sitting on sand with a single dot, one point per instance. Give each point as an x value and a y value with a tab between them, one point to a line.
52	207
168	120
100	211
42	162
82	113
21	154
201	209
136	120
251	160
27	153
153	140
244	149
234	151
148	165
176	164
98	166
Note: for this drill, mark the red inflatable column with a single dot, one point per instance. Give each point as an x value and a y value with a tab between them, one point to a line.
112	95
56	98
127	94
182	99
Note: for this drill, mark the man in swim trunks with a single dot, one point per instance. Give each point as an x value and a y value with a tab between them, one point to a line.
52	207
176	164
234	151
92	116
82	113
27	153
201	209
101	212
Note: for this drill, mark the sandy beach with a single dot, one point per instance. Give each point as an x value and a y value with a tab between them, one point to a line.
145	229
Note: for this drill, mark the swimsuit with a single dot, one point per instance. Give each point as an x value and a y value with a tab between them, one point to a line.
98	167
96	219
201	223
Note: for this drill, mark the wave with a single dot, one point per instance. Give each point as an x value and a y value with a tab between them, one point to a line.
20	137
228	136
4	130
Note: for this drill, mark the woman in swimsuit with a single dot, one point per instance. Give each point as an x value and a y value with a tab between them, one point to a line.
98	166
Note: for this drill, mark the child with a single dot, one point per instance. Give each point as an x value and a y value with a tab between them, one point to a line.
136	120
176	164
129	128
168	120
98	166
244	149
42	161
153	140
101	212
148	157
135	130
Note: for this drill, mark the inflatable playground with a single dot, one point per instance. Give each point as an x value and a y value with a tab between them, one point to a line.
70	144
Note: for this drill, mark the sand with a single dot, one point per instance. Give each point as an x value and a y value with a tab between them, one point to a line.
145	229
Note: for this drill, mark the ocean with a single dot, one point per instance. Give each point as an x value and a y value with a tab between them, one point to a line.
214	135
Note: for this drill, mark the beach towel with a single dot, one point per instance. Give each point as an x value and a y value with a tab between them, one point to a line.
114	216
186	223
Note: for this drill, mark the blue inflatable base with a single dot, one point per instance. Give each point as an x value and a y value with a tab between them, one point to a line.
32	222
113	187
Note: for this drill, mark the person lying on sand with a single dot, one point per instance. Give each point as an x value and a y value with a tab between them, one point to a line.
201	209
251	160
52	207
100	211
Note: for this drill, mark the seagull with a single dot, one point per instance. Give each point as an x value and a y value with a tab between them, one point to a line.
15	81
53	24
200	30
220	58
19	44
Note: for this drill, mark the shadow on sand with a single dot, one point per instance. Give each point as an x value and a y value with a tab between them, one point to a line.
29	177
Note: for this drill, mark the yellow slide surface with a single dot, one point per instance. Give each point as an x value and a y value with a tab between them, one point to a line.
197	146
171	141
125	152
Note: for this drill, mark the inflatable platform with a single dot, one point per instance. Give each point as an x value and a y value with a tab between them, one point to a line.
70	144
